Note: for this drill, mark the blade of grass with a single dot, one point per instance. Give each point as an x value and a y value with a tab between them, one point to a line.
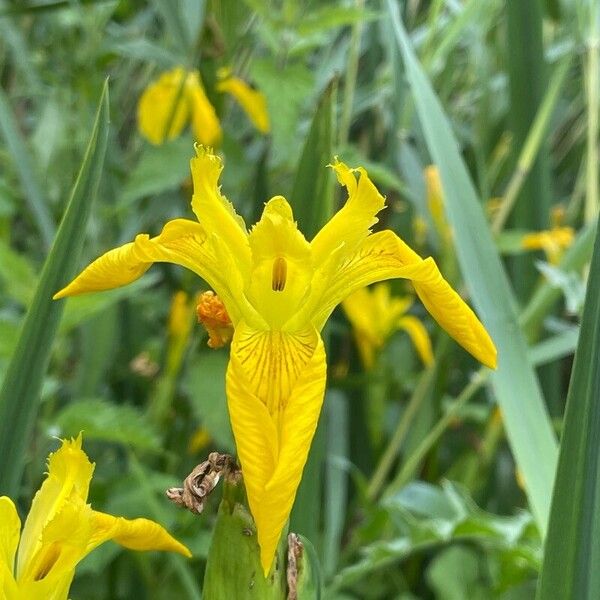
33	190
515	384
19	393
572	552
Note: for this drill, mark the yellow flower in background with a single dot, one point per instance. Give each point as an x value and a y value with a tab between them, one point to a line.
61	529
552	242
181	315
375	315
177	97
253	102
279	290
435	202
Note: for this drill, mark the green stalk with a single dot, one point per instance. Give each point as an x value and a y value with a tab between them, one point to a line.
526	71
531	147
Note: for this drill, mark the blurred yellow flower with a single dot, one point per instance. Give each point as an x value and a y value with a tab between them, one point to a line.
253	102
375	315
279	290
200	439
61	529
435	202
181	315
177	97
168	104
551	241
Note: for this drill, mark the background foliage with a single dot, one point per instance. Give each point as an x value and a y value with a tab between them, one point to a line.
419	486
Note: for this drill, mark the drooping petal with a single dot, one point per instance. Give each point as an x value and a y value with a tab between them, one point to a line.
164	100
385	256
181	242
69	476
10	531
135	534
353	222
419	336
205	123
275	387
253	102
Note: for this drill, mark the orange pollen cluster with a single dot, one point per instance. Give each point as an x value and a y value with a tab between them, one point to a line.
213	315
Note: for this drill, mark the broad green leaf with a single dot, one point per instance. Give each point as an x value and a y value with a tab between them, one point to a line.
515	384
572	552
19	394
109	422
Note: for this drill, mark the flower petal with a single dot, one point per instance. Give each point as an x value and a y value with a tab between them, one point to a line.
253	102
385	256
69	476
419	336
162	100
135	534
353	222
205	123
275	387
10	531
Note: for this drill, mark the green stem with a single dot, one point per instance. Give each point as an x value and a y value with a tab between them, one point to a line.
434	435
593	106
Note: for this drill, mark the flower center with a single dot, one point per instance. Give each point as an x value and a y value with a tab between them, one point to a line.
279	276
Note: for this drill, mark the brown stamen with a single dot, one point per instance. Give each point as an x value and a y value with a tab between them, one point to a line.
279	274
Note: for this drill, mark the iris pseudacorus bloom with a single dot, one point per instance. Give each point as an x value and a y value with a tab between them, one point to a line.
553	242
178	97
375	315
61	529
279	290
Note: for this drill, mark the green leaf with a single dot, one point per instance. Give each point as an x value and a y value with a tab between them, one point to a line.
102	420
572	555
517	389
160	168
20	390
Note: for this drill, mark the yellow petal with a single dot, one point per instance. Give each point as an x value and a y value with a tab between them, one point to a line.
419	336
353	222
161	101
69	476
205	123
385	256
275	387
135	534
253	102
281	264
10	530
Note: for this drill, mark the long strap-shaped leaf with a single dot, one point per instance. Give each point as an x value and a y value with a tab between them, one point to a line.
516	386
20	390
572	556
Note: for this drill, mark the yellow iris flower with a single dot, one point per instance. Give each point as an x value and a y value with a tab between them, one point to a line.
279	290
375	315
177	97
61	529
552	241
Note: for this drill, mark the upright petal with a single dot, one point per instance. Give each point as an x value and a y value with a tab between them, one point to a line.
214	211
69	476
353	222
135	534
253	102
164	100
205	123
10	531
385	256
275	387
181	242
